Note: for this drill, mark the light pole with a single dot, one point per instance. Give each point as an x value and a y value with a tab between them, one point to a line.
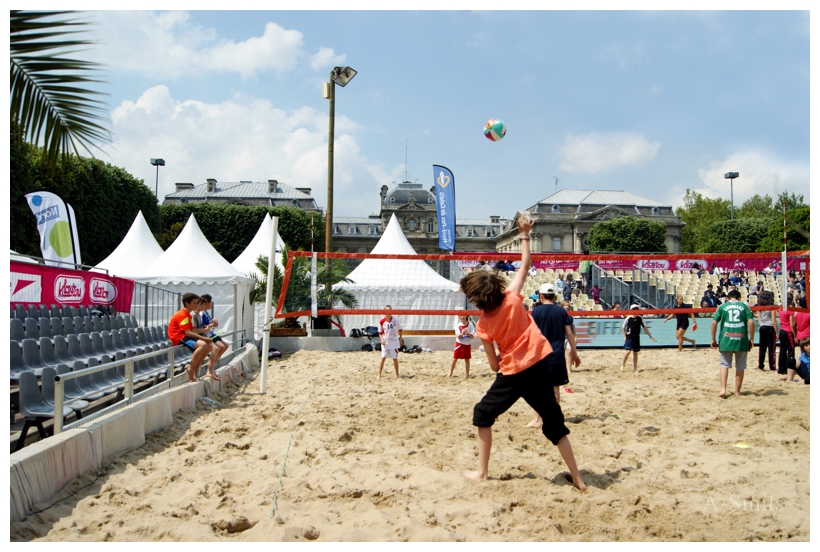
340	76
157	163
731	176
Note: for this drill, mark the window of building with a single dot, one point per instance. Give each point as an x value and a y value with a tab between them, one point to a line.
392	199
656	211
294	202
371	231
183	200
336	230
490	233
351	231
470	233
430	200
556	208
556	244
430	226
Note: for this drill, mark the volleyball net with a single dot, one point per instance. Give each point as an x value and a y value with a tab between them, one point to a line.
424	288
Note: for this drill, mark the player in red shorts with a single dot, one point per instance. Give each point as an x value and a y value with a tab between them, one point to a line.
465	332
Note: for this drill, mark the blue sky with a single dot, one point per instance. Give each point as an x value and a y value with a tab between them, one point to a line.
649	102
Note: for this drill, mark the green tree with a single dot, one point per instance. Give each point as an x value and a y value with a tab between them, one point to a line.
52	98
699	213
628	234
105	198
230	228
738	236
798	223
756	206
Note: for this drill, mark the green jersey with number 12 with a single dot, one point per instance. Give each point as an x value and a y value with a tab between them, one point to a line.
733	318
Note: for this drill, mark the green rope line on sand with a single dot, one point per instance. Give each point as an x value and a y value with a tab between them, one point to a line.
290	440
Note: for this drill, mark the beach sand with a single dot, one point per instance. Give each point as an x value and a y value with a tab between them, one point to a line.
382	460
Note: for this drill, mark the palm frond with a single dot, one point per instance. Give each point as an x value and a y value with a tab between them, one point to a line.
50	96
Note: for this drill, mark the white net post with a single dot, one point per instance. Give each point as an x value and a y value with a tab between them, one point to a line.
263	380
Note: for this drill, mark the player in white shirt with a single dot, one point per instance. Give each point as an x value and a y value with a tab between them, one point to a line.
390	336
465	332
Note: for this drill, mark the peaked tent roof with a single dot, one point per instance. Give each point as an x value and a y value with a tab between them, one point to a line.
260	245
137	250
406	274
190	259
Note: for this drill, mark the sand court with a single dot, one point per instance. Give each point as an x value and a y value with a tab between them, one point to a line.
368	460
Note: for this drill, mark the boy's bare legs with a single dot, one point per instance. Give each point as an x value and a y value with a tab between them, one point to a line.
789	375
467	364
200	351
381	367
634	361
724	376
565	448
536	421
215	353
738	380
452	367
485	443
623	363
396	366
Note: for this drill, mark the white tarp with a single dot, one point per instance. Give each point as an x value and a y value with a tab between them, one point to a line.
137	250
259	246
402	284
191	264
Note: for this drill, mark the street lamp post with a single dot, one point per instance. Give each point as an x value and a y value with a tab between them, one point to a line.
731	176
157	162
340	76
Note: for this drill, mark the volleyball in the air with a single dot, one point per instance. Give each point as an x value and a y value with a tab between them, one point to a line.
495	129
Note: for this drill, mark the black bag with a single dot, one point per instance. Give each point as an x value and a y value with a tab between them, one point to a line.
377	346
355	332
371	331
367	347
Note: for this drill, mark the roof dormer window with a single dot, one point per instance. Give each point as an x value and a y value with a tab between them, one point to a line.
556	208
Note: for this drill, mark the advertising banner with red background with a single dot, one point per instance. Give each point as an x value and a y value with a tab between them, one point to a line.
47	285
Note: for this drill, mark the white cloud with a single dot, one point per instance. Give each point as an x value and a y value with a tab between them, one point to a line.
242	138
597	151
168	45
326	57
654	90
760	173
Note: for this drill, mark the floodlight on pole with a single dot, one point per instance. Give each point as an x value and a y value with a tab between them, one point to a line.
340	76
731	176
157	162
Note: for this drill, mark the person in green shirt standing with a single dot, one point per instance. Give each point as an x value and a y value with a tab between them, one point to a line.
737	330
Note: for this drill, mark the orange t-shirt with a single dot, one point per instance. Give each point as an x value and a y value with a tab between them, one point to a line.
519	340
180	322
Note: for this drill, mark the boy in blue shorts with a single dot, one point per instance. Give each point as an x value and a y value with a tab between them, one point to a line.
631	328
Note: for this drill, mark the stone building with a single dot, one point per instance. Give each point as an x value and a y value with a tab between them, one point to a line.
415	210
564	219
270	194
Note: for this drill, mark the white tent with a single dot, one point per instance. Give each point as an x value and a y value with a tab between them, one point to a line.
15	256
259	246
191	264
402	284
137	250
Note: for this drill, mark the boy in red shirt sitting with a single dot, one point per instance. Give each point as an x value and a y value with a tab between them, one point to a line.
180	330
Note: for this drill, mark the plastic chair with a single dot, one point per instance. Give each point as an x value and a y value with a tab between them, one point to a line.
83	310
99	380
20	312
61	351
68	326
48	386
86	346
87	324
44	312
45	328
32	329
56	326
48	355
31	356
33	311
97	324
106	322
18	331
79	325
33	408
55	312
117	323
75	348
68	312
16	364
72	390
85	385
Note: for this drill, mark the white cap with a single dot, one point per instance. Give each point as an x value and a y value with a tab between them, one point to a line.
546	288
634	307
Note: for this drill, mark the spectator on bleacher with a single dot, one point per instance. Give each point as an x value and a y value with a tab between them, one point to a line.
206	305
699	270
724	282
735	278
801	300
757	288
709	298
508	266
576	291
500	266
180	330
596	294
617	307
533	272
559	285
585	270
483	265
715	269
567	290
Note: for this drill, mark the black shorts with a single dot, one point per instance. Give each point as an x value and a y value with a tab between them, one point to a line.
632	344
683	324
558	370
534	385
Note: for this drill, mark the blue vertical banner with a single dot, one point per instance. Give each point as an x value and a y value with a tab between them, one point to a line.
59	240
445	207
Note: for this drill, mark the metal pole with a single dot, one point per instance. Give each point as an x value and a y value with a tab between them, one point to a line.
784	290
156	186
129	382
732	195
59	394
330	139
263	380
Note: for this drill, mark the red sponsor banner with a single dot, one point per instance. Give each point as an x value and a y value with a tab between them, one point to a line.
38	284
